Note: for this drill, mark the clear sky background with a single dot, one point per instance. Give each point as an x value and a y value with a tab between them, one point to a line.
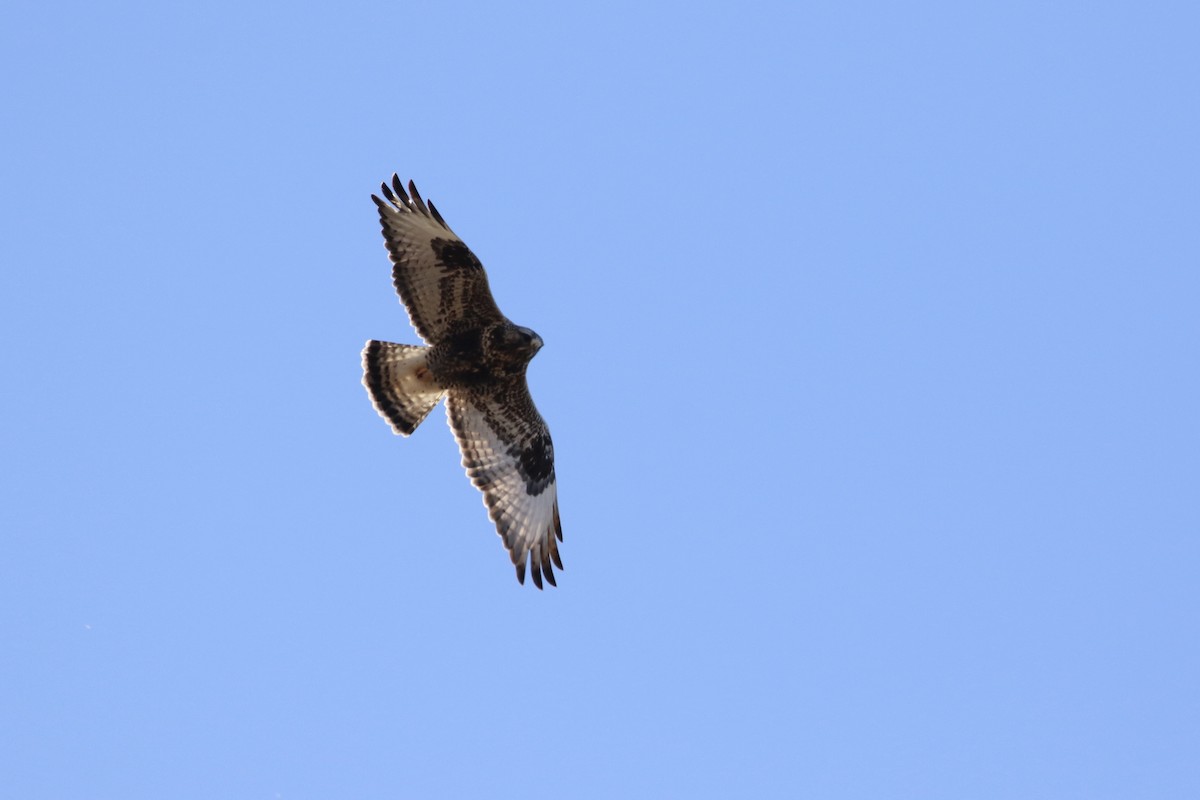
871	362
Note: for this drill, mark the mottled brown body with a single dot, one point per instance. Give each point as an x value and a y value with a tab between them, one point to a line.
474	357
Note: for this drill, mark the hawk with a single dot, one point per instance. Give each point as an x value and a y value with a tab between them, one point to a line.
475	358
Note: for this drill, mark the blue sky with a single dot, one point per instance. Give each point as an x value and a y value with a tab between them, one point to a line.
871	362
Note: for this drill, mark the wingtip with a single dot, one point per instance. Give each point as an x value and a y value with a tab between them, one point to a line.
416	198
398	187
433	210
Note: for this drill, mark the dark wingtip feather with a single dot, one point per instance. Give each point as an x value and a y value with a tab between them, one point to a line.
416	198
557	524
556	557
537	573
548	571
387	192
521	574
433	210
398	188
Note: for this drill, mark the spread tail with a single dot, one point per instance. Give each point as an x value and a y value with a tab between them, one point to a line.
398	380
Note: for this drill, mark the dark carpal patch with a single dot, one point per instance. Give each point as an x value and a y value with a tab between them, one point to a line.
537	463
453	255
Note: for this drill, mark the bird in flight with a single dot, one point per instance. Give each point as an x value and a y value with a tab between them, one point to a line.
475	358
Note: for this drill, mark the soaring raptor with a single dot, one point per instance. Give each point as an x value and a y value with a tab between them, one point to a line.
475	358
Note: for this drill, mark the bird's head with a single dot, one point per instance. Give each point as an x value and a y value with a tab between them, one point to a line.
510	347
529	341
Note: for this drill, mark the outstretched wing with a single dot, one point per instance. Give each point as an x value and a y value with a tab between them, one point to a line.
508	455
439	279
